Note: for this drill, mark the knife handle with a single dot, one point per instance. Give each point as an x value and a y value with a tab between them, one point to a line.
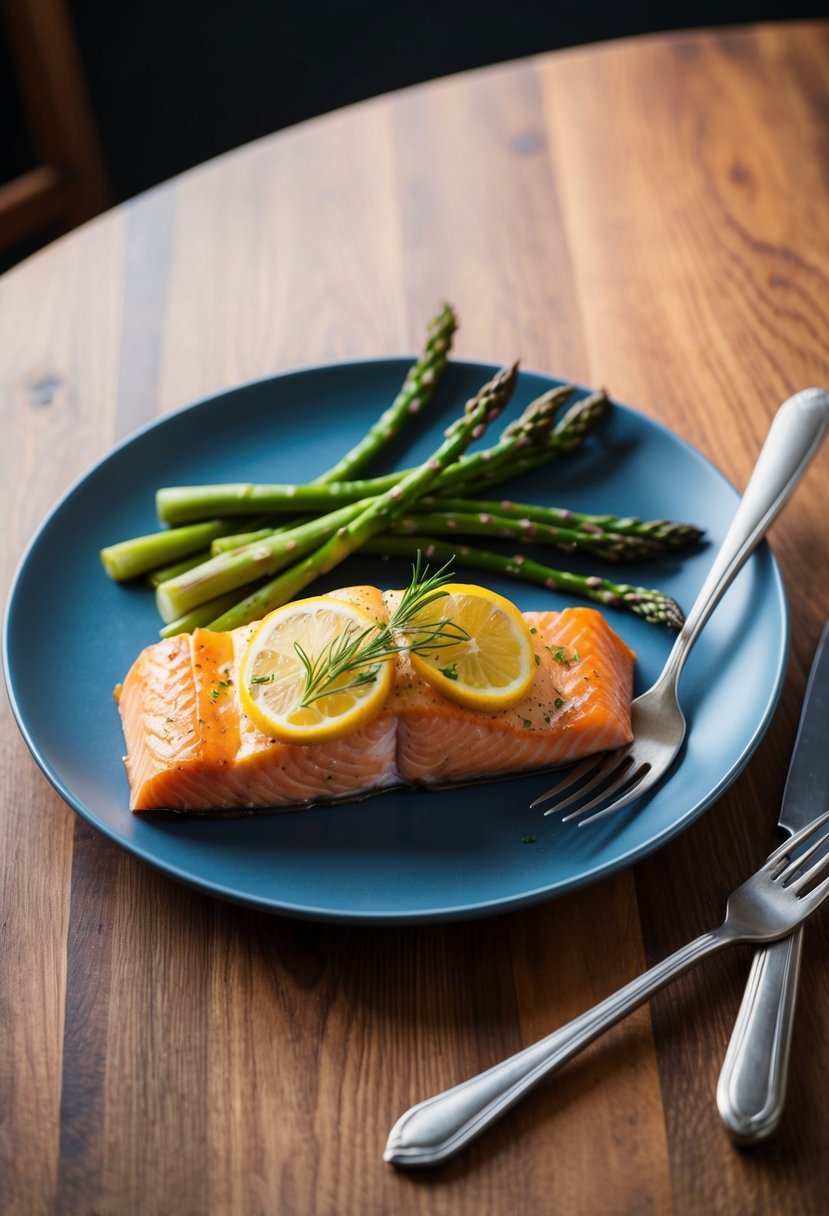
752	1086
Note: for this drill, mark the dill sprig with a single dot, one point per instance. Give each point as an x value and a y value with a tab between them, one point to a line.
359	652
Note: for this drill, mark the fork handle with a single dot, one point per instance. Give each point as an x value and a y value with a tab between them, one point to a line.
796	433
752	1086
438	1127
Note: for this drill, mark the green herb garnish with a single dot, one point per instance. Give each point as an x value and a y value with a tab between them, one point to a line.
359	652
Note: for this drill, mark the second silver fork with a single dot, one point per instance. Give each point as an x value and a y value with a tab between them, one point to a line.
779	896
607	783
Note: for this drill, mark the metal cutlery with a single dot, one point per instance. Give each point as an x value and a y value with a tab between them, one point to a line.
606	783
752	1087
777	898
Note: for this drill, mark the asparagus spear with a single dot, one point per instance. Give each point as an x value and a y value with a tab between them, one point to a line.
138	555
268	552
612	546
663	534
647	537
162	573
419	386
228	571
650	603
223	544
511	455
200	616
129	558
478	413
565	436
635	537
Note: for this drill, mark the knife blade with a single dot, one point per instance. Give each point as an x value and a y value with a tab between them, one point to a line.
807	786
752	1088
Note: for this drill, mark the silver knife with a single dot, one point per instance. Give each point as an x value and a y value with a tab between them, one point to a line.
752	1086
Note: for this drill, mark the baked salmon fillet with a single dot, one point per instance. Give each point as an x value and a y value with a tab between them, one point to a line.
190	746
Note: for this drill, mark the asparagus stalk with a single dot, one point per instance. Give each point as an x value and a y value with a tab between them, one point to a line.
138	555
228	571
418	388
167	548
513	454
129	558
609	545
224	544
478	413
201	616
269	552
664	534
527	439
567	434
162	573
613	537
650	603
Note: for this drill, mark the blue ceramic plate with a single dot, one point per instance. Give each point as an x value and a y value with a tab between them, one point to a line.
406	856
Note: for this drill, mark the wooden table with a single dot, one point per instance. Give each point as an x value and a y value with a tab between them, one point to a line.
650	215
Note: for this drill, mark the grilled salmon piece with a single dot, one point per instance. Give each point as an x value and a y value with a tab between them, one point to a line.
190	747
578	703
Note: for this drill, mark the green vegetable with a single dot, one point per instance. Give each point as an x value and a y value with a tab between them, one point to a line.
647	602
478	414
525	445
419	387
357	653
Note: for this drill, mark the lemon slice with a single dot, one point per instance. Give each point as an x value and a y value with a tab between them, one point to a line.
494	666
272	675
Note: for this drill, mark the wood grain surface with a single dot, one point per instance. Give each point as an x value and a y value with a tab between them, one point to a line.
651	215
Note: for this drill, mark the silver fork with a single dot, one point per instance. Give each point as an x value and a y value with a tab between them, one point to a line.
658	722
777	898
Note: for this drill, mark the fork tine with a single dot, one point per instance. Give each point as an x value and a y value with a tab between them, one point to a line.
625	793
786	847
797	881
606	772
573	776
817	895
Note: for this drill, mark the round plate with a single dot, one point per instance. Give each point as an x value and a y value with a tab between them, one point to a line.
70	635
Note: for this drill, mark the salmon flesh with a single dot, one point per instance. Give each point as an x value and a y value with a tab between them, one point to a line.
191	748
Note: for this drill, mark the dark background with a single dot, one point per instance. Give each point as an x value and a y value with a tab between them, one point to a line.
174	82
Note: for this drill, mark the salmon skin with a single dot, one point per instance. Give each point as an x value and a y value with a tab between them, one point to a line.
191	748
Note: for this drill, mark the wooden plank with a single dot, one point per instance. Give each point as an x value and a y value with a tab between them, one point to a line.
284	258
703	279
481	219
58	385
